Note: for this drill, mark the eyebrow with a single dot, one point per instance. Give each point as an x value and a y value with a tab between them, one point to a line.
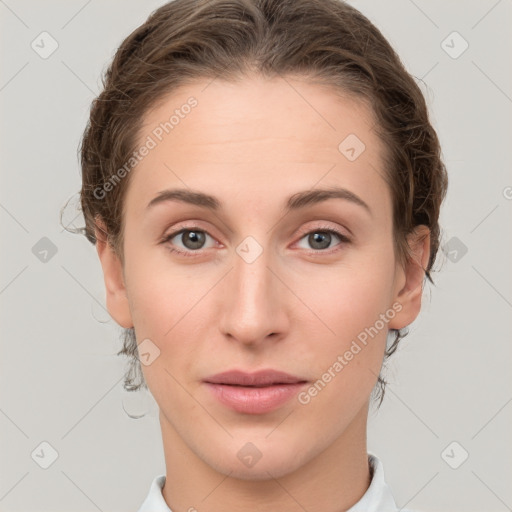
295	202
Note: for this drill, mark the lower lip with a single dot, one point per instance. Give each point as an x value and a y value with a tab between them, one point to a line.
251	400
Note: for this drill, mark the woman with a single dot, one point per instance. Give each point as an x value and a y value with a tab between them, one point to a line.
263	186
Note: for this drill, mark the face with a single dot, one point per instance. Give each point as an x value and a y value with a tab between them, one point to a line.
267	279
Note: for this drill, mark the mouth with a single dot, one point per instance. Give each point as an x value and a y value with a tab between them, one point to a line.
262	378
254	393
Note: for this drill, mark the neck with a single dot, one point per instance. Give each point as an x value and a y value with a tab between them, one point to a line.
334	480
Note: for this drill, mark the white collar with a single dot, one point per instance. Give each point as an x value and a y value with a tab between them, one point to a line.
377	498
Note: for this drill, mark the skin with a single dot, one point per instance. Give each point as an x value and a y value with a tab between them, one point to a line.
253	144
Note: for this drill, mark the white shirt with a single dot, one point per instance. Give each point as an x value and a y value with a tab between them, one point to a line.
377	498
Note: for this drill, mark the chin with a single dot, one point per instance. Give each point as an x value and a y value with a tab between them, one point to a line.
261	471
249	463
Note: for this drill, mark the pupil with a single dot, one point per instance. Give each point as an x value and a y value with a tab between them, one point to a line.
319	238
193	239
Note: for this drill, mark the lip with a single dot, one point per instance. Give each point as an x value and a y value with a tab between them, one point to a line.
260	378
254	393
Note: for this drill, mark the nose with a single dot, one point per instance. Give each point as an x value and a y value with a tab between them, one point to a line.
253	307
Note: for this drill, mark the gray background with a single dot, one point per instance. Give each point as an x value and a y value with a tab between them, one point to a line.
60	380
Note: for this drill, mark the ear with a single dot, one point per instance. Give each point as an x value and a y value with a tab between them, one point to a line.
409	278
117	299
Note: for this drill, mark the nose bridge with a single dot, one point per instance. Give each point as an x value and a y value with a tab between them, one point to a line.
252	308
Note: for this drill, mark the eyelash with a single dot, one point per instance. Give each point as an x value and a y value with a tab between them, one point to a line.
319	229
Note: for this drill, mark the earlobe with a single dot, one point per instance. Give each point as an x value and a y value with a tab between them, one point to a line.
410	285
116	294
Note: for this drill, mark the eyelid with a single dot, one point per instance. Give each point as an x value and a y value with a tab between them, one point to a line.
192	225
325	227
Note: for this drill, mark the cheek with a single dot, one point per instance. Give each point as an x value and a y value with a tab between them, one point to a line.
346	300
169	305
348	324
345	362
158	290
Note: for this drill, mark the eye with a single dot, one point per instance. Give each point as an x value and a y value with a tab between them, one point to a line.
320	238
192	240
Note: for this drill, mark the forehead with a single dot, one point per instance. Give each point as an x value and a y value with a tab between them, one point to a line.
255	133
256	110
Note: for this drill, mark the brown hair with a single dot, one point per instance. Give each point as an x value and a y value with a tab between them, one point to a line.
326	41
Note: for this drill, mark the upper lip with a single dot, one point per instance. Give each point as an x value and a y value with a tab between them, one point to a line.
260	378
